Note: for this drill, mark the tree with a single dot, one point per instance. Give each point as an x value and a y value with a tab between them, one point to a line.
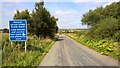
23	15
104	22
53	26
40	22
17	15
106	28
43	23
91	18
112	10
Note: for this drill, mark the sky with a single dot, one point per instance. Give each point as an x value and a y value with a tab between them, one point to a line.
69	13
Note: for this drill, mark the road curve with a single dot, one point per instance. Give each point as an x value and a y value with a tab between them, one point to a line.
67	52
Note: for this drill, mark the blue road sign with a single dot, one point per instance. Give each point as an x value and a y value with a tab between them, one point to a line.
18	30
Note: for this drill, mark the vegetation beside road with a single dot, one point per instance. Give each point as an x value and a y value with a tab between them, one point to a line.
103	46
103	22
103	34
14	55
42	32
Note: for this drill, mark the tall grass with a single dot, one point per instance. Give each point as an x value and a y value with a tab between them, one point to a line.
14	55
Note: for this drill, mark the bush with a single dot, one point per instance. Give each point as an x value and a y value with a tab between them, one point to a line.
116	36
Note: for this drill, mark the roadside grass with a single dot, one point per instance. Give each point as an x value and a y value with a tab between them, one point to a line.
104	47
14	55
0	50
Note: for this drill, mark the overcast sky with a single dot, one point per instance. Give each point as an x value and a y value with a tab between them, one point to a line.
68	13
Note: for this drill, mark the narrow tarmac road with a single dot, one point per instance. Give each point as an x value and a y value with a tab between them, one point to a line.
67	52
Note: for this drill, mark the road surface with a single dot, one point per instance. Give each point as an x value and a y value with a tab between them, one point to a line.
67	52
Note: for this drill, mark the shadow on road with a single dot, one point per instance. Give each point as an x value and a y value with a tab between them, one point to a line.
59	39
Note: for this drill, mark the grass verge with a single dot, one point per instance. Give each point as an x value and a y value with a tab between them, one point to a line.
104	47
14	55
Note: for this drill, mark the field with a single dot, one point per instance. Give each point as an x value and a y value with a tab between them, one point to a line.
103	46
14	55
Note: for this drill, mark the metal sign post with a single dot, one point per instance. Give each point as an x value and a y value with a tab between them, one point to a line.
25	46
18	31
11	43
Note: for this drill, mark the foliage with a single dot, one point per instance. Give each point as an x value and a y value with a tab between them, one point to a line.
5	30
91	18
23	15
104	22
106	29
40	22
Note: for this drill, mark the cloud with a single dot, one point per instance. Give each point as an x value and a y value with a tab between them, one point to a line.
11	0
111	2
78	0
67	18
65	15
18	0
94	0
9	9
66	12
12	12
58	0
7	13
